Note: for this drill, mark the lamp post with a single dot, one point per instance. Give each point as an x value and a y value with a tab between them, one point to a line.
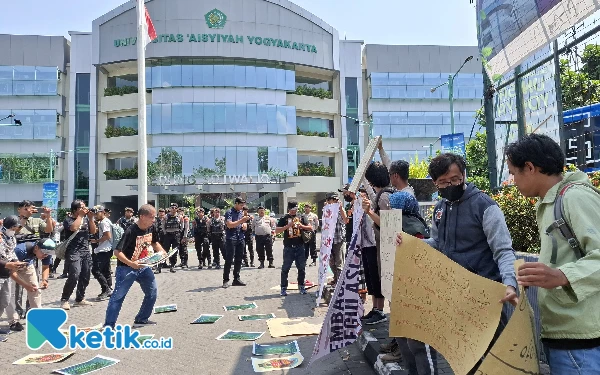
450	84
53	156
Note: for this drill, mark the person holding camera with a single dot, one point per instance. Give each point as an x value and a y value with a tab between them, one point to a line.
236	224
78	259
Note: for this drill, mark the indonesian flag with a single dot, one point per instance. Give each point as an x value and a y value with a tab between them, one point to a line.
148	32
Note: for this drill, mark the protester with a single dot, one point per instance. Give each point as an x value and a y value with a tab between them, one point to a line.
292	225
262	228
78	260
134	245
102	253
234	242
8	277
310	247
481	243
568	213
27	276
336	260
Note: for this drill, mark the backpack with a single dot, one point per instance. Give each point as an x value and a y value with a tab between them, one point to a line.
415	225
117	233
561	224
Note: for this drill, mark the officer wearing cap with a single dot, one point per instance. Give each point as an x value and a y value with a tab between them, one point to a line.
173	231
263	229
127	220
201	241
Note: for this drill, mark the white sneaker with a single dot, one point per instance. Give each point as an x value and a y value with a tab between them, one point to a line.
82	303
65	305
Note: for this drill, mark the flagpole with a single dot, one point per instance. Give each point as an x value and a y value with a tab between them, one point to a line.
142	147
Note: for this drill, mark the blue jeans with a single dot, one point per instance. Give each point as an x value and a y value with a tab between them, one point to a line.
573	362
293	254
124	279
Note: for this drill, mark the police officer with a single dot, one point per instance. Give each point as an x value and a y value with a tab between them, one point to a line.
201	241
217	234
248	234
263	229
173	231
159	224
185	231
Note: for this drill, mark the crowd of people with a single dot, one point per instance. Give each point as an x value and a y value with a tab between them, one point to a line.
467	226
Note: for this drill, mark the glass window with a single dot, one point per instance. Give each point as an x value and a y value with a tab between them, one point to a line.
417	131
242	161
380	92
208	75
46	73
263	159
209	117
291	119
261	119
23	87
251	123
282	159
271	78
166	119
6	73
176	75
187	75
272	120
272	158
399	131
261	78
156	76
250	76
239	76
198	117
292	158
188	160
252	161
241	120
280	79
282	120
166	76
187	116
414	79
220	125
379	79
290	80
219	76
396	79
231	160
198	76
433	79
176	118
156	126
24	73
230	119
229	72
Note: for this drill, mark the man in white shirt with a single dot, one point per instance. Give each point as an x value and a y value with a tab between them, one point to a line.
103	253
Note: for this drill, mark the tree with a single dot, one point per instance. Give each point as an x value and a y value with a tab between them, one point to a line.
577	87
169	163
220	169
591	61
477	157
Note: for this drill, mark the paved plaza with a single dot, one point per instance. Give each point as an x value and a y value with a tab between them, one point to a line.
195	349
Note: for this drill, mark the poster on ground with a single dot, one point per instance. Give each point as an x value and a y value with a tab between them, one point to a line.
277	364
99	362
438	302
276	349
329	219
230	335
342	324
40	359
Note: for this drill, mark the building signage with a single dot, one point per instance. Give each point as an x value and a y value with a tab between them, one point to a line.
50	197
215	19
216	179
222	38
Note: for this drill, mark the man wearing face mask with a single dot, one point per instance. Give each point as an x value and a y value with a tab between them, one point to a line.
469	228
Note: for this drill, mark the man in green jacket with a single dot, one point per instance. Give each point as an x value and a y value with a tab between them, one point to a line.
568	273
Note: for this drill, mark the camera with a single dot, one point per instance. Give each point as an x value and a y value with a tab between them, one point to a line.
93	210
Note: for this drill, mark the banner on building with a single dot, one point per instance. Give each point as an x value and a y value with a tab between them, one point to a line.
342	324
454	143
50	197
509	31
329	219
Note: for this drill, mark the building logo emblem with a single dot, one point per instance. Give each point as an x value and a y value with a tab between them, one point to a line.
215	19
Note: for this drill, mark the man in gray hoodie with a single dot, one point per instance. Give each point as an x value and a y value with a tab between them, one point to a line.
469	228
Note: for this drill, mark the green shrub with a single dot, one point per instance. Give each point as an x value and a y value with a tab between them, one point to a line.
112	131
315	169
317	93
112	91
418	168
519	212
122	174
312	134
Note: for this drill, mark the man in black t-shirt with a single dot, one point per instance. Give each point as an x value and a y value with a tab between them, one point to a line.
292	225
134	245
78	258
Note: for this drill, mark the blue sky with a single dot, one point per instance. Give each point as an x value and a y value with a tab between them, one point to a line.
444	22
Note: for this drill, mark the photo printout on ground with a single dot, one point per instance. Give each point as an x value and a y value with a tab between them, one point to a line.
440	303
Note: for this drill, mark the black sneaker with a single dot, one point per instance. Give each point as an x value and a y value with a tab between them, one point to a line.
252	264
369	315
16	327
238	283
225	284
378	317
218	267
103	296
200	267
51	276
143	324
210	266
172	270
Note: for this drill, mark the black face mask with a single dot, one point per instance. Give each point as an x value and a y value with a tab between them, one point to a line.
348	198
453	192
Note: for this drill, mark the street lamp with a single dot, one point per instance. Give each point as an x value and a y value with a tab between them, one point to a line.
53	156
450	84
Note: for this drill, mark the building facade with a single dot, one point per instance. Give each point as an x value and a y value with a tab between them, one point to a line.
254	97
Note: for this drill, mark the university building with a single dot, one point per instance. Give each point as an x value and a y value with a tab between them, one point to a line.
254	96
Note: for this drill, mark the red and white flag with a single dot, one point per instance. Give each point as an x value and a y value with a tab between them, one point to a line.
148	33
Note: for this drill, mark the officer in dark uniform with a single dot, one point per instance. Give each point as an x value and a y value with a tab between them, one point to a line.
201	241
248	237
159	224
173	229
217	236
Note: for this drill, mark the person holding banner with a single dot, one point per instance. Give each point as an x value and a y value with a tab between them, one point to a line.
469	228
568	213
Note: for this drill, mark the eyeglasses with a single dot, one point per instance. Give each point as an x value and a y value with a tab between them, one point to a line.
453	182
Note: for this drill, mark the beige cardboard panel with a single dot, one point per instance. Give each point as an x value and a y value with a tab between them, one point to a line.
438	302
281	327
